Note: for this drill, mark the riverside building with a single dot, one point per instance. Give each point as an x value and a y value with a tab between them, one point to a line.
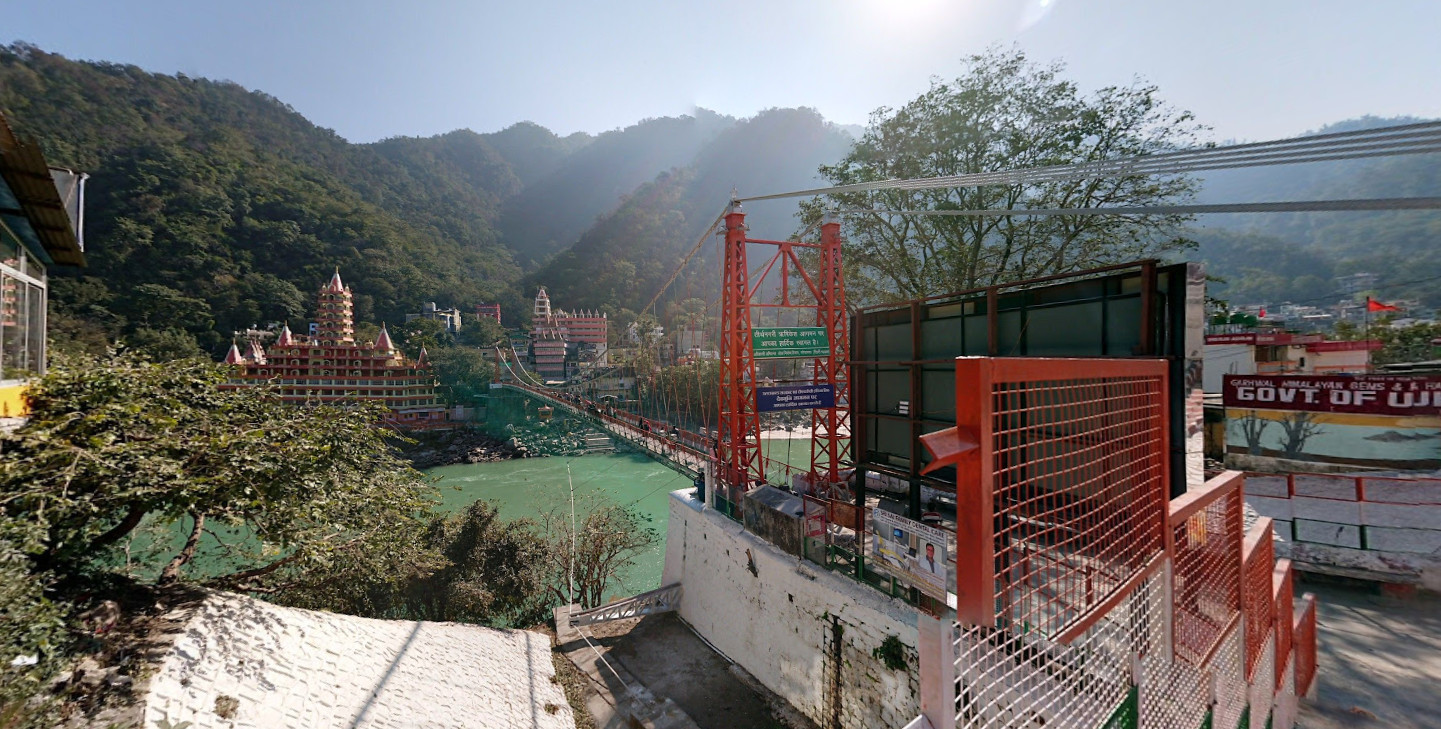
562	341
331	366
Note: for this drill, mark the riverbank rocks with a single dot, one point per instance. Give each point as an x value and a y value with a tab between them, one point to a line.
460	446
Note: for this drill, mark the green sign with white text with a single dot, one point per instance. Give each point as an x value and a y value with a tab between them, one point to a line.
789	342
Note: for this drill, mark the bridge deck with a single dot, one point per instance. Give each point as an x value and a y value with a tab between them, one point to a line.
678	456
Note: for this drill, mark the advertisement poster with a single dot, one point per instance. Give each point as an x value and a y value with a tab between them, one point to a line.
911	551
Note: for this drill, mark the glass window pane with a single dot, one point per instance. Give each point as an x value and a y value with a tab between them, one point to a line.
36	340
9	250
1064	331
13	311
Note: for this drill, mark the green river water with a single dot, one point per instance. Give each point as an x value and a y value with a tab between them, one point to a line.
527	487
530	487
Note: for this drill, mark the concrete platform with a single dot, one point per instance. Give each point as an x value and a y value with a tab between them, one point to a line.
657	673
242	662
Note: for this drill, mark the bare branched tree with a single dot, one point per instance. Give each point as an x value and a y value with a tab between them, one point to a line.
1254	427
608	539
1298	427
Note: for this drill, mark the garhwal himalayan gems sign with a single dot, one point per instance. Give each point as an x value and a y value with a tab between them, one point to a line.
1399	395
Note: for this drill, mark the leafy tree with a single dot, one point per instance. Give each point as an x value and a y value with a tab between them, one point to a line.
32	626
494	573
164	345
483	333
604	544
463	372
114	442
421	333
487	571
1412	343
1004	112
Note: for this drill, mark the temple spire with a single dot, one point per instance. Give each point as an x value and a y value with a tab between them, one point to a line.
335	325
233	356
383	342
285	339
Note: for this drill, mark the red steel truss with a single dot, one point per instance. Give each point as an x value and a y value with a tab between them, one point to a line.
739	441
830	429
738	447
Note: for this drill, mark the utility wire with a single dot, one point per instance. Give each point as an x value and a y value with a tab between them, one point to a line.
1423	138
1366	204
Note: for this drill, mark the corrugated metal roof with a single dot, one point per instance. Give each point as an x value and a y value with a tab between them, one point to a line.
41	219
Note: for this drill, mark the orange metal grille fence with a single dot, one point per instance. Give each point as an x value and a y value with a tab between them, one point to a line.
1064	506
1257	599
1206	536
1281	582
1304	644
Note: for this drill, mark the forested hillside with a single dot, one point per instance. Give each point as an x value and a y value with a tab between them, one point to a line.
551	213
1295	256
623	260
212	208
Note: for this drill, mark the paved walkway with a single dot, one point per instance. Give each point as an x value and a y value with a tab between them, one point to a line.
1378	662
246	663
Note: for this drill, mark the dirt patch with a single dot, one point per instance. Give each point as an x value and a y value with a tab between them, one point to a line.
126	631
577	686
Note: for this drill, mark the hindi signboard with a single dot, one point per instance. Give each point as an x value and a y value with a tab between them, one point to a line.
795	397
789	342
911	551
1402	395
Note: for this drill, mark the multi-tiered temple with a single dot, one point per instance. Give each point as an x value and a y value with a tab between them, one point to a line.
332	367
561	341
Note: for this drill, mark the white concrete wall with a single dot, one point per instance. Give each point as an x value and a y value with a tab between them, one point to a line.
1226	359
778	622
1394	535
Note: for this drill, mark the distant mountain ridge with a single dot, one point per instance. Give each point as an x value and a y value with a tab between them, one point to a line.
213	208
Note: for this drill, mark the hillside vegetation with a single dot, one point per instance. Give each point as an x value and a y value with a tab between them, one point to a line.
1279	257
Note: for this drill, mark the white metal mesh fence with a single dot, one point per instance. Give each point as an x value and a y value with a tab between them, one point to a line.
1229	672
1011	677
1173	694
1263	685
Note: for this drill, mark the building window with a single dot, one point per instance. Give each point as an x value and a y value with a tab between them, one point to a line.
22	311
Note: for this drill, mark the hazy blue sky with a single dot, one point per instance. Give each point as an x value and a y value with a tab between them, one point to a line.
1252	69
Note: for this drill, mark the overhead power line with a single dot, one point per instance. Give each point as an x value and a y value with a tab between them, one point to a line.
1423	138
1303	206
